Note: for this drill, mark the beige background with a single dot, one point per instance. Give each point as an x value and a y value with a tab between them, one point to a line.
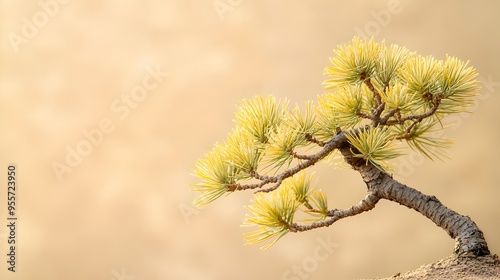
125	209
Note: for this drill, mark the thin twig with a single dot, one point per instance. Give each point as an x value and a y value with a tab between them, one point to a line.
367	204
436	101
299	156
313	139
389	115
335	142
379	103
365	115
368	83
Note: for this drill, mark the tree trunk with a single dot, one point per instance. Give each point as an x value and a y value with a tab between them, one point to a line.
468	237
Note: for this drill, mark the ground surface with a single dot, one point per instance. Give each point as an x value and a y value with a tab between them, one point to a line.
454	267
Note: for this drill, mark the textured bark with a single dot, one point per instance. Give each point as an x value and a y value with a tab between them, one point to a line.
468	237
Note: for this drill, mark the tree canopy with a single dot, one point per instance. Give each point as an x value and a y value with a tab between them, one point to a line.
378	97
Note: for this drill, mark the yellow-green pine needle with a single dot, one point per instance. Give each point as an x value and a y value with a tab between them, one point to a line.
421	74
346	103
459	86
367	98
421	139
351	62
327	122
398	97
431	147
301	185
391	59
319	199
375	145
458	78
260	116
242	151
305	122
216	175
281	143
272	213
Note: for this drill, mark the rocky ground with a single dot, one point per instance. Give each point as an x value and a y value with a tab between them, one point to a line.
455	267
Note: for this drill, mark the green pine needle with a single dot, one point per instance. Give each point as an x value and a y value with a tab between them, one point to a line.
352	62
301	185
260	116
421	139
216	175
303	121
459	86
243	151
421	74
398	97
342	106
272	213
319	199
375	145
278	151
391	59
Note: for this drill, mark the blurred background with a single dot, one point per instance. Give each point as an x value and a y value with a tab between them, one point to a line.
106	105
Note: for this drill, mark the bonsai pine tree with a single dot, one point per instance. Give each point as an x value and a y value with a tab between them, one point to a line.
377	99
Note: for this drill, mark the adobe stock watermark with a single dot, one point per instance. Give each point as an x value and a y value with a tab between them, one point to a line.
223	7
31	26
188	211
380	20
121	275
406	165
310	264
121	108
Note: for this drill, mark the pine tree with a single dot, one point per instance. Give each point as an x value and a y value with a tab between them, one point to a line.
377	98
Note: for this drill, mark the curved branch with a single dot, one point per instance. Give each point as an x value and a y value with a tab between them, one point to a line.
367	204
436	101
379	103
469	238
364	115
376	95
313	139
299	156
334	143
389	115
